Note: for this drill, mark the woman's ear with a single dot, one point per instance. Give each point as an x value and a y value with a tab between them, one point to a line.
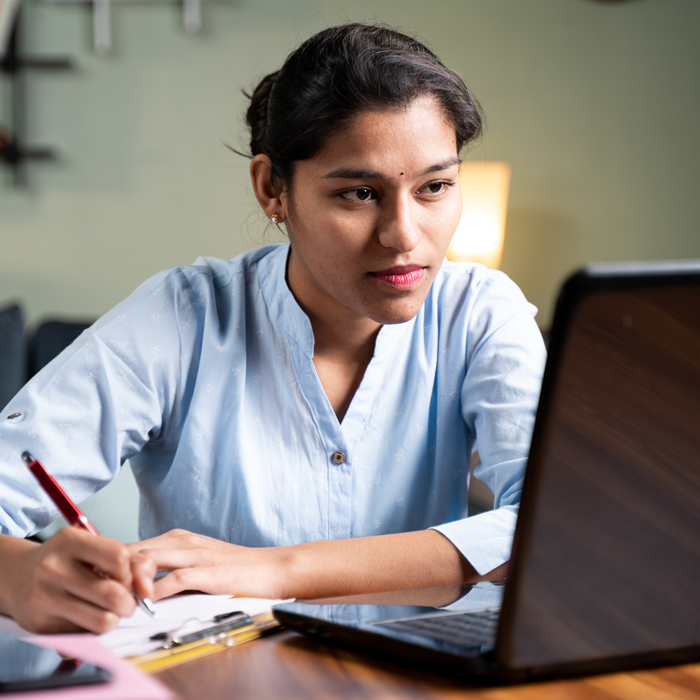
268	196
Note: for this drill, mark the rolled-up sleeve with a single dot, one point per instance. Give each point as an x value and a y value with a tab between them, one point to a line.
95	405
499	395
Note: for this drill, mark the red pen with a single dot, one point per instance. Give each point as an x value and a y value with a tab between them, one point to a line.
69	510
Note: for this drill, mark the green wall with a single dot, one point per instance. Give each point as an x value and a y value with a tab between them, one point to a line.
596	105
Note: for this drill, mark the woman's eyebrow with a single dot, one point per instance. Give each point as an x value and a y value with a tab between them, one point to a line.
357	174
351	174
454	160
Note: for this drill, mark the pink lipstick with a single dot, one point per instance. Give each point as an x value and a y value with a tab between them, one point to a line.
401	277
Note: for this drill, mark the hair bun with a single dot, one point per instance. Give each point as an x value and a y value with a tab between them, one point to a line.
256	116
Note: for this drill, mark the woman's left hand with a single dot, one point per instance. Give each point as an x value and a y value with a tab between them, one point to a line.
200	563
309	570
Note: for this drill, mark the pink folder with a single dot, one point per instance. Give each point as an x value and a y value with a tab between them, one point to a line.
128	683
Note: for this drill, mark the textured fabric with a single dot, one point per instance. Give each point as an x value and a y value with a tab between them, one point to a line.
204	379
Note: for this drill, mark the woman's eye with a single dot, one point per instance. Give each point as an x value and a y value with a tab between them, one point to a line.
437	187
361	194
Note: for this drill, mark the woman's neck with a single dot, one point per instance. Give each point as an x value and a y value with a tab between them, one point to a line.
343	343
342	352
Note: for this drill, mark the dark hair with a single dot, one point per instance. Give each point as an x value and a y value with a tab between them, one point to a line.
339	72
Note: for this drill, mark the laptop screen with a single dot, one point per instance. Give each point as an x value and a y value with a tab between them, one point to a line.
608	542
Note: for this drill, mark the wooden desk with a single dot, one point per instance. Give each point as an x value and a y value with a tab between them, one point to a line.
287	666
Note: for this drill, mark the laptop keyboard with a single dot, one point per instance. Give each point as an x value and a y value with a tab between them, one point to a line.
464	629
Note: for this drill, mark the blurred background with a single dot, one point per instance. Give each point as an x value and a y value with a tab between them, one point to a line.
595	105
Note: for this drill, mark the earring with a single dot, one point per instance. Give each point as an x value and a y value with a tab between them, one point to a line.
276	220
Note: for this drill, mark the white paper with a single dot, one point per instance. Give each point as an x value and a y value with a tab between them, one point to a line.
181	614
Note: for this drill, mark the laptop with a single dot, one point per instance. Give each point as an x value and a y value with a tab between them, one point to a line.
605	569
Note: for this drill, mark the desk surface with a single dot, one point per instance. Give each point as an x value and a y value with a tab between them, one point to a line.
287	666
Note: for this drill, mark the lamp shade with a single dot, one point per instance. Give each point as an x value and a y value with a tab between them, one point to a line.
481	230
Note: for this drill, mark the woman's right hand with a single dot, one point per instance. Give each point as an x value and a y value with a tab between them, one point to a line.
57	587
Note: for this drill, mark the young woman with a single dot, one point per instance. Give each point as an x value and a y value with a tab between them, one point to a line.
300	419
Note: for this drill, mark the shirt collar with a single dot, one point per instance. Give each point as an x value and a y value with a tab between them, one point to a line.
284	309
288	315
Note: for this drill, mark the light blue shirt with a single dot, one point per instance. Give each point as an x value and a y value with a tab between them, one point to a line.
204	379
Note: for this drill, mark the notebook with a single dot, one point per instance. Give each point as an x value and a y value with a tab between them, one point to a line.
606	555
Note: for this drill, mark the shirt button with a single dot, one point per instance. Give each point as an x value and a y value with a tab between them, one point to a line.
338	457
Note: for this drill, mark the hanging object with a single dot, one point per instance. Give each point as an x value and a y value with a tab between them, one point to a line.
8	10
102	26
481	230
14	63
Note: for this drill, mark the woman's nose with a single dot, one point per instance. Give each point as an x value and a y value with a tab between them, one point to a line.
398	228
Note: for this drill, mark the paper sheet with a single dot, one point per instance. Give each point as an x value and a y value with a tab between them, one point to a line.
183	614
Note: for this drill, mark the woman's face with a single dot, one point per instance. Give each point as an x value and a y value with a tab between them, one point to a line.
371	215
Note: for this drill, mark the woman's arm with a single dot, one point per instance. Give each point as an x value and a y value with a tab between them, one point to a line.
311	570
55	586
96	404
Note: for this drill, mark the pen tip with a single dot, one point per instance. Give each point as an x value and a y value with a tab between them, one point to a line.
148	604
27	457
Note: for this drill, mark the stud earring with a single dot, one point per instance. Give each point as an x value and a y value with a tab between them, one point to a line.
276	220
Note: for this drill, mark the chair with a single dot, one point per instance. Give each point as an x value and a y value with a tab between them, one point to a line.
49	340
12	364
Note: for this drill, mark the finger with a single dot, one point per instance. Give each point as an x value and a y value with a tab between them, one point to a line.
170	559
112	558
168	540
215	580
59	571
84	584
62	612
51	625
86	616
143	571
193	579
105	554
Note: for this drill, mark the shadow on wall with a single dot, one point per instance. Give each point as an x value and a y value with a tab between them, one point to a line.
538	245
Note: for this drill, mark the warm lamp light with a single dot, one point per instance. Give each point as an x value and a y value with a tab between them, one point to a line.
481	230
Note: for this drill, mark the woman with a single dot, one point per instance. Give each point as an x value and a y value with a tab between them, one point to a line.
308	410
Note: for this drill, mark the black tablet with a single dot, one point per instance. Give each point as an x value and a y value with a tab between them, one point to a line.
25	666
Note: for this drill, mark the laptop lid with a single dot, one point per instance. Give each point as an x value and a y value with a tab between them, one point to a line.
606	557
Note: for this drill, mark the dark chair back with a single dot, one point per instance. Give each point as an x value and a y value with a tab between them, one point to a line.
12	370
49	340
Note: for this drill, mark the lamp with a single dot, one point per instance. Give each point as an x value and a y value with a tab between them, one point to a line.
481	230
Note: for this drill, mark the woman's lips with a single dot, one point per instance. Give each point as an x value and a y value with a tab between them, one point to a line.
401	277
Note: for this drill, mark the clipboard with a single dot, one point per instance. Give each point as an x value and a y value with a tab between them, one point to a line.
207	644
